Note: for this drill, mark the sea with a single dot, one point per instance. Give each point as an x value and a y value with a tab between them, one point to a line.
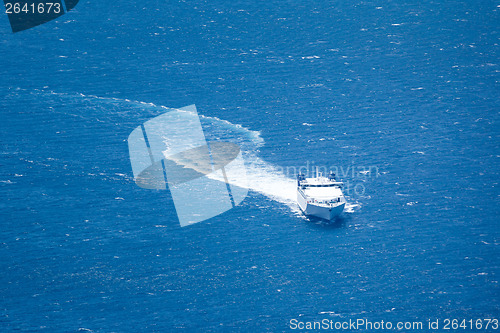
400	98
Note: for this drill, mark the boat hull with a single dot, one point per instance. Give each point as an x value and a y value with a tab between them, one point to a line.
324	212
320	211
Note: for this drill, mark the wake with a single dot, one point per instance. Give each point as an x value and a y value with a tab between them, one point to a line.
260	176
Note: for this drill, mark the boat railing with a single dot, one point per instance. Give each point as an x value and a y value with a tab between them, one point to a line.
331	201
326	202
304	184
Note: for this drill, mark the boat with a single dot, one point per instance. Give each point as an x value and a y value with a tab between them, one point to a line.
320	196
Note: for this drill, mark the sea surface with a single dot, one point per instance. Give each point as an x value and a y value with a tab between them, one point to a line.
402	98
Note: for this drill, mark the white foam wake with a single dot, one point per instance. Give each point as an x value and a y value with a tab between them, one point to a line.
261	177
264	178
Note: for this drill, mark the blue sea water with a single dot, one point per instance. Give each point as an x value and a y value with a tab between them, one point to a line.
408	89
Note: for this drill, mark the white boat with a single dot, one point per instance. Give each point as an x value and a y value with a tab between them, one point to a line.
320	196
